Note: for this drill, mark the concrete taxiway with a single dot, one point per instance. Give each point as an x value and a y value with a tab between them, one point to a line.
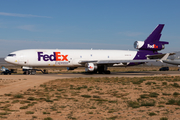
117	74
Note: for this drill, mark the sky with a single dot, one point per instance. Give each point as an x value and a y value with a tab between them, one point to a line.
86	24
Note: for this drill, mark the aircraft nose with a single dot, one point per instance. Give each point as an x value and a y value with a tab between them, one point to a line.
6	59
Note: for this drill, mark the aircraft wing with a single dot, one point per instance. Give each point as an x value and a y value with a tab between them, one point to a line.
115	61
163	57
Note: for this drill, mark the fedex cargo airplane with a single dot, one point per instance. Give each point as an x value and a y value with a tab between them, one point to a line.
93	60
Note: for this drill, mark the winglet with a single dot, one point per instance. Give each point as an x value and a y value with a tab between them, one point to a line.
164	57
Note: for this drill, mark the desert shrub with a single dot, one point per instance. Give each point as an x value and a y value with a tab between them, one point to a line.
34	117
152	113
112	118
112	101
71	86
42	85
164	83
153	94
144	96
171	102
60	89
89	89
111	111
133	104
48	100
32	104
148	103
6	107
86	96
149	83
82	87
92	107
24	101
48	118
95	96
166	94
31	98
23	107
4	113
18	96
15	101
46	112
178	102
90	112
29	112
164	118
101	100
62	106
175	85
160	106
176	93
138	81
176	79
7	94
44	99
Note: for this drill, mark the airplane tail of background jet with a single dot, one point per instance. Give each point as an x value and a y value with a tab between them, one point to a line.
152	42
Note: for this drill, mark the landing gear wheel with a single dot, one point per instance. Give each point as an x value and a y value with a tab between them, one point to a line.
33	72
107	72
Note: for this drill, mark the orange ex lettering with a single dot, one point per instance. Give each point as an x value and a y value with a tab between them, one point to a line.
57	56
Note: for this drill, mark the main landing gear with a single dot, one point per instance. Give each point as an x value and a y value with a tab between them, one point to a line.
33	71
103	70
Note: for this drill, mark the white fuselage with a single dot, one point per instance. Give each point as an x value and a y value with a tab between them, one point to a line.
64	58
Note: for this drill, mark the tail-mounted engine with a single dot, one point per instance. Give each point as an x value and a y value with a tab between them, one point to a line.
141	45
90	67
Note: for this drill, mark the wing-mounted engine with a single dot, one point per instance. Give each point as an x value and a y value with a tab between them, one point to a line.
90	67
142	45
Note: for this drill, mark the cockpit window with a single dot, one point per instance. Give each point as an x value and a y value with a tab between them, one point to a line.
12	55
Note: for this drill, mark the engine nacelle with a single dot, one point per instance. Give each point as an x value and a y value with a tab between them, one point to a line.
141	45
90	67
26	68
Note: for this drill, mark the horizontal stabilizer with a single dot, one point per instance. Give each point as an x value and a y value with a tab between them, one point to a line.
158	56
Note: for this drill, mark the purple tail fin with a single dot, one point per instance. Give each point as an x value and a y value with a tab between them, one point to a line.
155	36
152	42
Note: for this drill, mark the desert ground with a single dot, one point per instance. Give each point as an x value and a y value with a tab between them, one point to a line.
136	93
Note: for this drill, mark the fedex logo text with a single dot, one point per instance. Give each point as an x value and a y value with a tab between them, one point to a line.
152	46
56	56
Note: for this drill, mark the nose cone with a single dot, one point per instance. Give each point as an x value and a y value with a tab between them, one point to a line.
6	59
9	60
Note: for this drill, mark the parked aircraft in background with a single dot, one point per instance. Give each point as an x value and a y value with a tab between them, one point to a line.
174	59
93	60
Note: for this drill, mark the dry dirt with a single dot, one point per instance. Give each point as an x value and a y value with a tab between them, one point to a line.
38	97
